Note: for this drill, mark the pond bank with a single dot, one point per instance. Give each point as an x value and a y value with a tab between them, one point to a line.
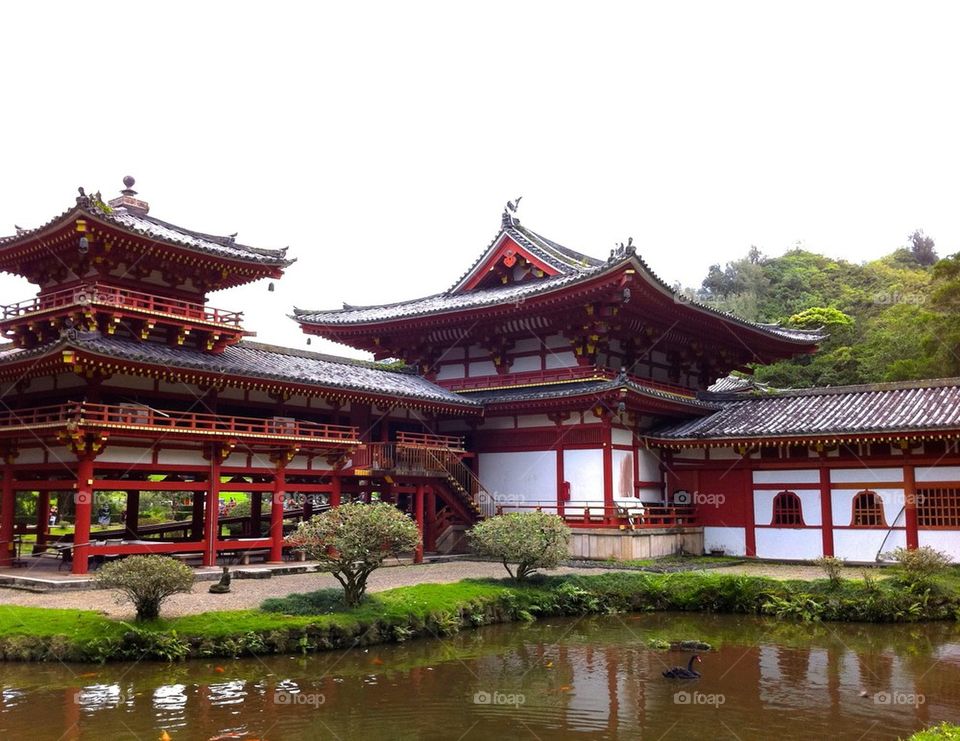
311	622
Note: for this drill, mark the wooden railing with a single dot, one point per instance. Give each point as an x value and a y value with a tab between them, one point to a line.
593	513
553	376
135	416
101	295
439	442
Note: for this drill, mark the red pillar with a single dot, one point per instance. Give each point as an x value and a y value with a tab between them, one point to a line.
430	521
276	515
609	514
211	522
132	521
7	511
335	491
826	507
82	514
418	515
910	507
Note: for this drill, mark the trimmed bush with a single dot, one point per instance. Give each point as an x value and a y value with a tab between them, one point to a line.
353	540
918	568
146	581
531	540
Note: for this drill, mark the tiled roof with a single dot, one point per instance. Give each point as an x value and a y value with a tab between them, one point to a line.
729	384
160	231
581	388
257	360
871	408
573	267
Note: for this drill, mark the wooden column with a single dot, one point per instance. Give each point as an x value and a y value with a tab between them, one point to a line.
83	511
910	506
749	508
826	507
132	520
211	522
561	483
8	508
276	514
335	491
609	515
256	513
430	520
43	521
418	516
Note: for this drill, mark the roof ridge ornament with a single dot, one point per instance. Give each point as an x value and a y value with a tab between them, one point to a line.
621	251
128	199
508	219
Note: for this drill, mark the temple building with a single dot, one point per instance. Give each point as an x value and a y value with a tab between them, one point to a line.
543	379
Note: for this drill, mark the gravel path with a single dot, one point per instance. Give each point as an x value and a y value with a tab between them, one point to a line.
248	593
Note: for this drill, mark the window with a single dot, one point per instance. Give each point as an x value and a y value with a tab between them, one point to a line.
868	510
786	510
938	507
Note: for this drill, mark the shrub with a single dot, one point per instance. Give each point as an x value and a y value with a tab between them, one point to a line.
832	567
146	581
531	540
352	540
917	568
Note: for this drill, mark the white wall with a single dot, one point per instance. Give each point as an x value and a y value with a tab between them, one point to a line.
862	544
793	543
584	470
842	503
733	540
527	476
800	476
938	473
623	478
809	503
947	541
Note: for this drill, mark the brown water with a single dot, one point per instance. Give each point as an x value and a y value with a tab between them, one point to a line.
588	678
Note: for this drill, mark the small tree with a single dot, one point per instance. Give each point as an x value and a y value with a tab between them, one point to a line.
146	581
531	540
919	566
832	567
352	540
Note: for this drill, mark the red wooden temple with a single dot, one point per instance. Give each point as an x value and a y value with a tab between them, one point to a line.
542	379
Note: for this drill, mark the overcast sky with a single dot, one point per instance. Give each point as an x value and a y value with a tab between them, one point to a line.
380	141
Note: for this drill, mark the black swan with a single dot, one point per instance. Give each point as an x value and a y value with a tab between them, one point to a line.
678	672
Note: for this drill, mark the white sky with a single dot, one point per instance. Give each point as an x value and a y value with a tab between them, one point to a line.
381	140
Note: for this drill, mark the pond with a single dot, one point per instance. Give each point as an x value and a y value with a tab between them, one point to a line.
563	678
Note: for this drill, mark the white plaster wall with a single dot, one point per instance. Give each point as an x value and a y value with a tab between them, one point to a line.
694	454
865	475
483	368
233	393
862	544
130	382
498	423
809	503
561	359
947	541
261	396
733	540
525	363
622	474
789	543
621	437
556	340
475	351
534	420
450	371
182	458
298	463
527	476
842	504
454	353
584	470
799	476
937	473
30	455
526	344
118	454
648	465
60	454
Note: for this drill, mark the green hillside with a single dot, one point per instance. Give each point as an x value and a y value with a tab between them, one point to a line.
892	319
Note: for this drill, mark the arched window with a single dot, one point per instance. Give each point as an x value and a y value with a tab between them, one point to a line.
786	510
868	510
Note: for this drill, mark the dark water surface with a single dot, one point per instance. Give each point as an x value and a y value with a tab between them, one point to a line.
587	678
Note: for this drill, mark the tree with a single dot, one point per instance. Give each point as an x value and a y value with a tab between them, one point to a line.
146	581
353	540
531	540
922	248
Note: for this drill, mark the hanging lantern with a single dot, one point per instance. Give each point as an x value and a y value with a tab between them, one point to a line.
83	245
270	286
309	340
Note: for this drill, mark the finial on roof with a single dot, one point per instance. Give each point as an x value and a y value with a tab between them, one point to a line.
621	251
508	219
128	199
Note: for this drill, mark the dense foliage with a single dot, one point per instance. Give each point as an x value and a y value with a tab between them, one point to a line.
531	540
891	319
352	540
146	581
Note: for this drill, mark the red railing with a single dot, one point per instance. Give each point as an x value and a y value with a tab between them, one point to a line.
136	416
555	375
100	295
438	442
596	514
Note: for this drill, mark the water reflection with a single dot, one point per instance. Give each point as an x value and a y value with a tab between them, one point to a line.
593	678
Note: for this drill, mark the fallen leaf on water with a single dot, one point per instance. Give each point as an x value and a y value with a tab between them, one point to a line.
566	688
549	665
165	736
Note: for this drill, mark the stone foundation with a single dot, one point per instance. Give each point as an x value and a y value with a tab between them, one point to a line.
624	545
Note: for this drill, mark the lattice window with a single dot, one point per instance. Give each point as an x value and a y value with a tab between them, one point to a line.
938	507
786	509
868	510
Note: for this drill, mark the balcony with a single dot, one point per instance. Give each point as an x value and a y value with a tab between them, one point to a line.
136	420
